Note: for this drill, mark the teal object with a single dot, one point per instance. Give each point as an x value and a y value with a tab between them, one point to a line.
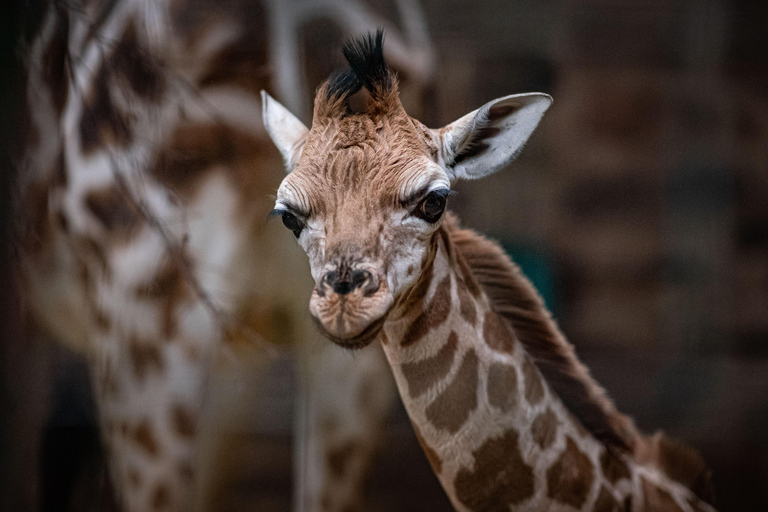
538	268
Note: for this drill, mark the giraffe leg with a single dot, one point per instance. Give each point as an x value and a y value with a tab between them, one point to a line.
149	398
342	406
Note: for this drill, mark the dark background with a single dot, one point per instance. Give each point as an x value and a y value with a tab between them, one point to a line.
639	207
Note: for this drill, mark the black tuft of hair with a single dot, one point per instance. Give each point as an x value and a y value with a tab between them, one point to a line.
342	84
366	58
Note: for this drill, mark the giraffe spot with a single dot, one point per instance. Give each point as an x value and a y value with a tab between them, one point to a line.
466	303
452	407
544	429
420	375
614	468
432	456
339	457
435	314
135	64
193	149
419	291
570	478
244	62
161	497
502	386
54	65
496	334
534	389
114	210
145	357
658	500
469	278
35	231
101	122
145	438
606	502
184	421
500	477
170	287
134	477
410	270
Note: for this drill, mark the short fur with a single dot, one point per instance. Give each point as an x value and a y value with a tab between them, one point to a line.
516	300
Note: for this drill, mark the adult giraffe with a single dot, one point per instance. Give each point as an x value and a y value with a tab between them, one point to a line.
142	194
507	415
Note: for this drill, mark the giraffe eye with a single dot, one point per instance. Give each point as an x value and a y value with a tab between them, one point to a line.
291	222
432	207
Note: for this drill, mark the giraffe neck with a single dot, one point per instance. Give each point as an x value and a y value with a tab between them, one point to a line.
494	431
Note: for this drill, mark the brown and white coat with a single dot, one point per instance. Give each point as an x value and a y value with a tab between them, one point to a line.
508	416
141	206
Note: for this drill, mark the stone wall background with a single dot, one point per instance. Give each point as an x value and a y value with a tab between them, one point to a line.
644	195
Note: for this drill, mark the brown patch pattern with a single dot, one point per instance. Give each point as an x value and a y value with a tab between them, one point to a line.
170	287
184	420
102	123
161	497
500	478
453	406
514	298
466	303
144	358
614	468
570	478
502	386
496	334
194	149
606	502
658	500
435	314
134	477
534	389
140	70
420	375
544	429
339	457
54	64
114	210
145	438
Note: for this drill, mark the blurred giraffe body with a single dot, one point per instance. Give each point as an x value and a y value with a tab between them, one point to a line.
142	237
507	415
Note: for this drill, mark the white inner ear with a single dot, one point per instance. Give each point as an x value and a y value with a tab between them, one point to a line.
287	132
486	140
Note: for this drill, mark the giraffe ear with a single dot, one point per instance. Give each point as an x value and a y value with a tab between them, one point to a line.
486	140
287	132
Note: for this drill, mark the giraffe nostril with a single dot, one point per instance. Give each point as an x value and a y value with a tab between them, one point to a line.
359	277
351	281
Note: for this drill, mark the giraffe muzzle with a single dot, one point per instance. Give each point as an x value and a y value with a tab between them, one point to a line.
349	300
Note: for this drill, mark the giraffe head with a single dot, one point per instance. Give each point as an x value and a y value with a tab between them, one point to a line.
367	185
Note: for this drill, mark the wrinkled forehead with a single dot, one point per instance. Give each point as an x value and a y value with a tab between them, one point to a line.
362	163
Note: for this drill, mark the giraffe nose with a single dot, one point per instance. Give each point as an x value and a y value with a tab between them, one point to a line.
347	282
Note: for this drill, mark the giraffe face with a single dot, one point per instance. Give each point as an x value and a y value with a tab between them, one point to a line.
364	202
366	190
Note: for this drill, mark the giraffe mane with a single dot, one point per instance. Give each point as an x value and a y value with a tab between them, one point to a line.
516	300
